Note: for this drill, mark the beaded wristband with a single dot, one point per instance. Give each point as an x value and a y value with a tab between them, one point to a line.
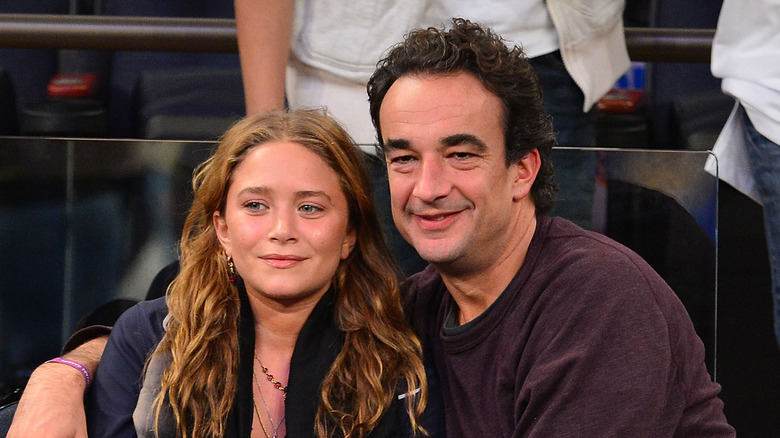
75	365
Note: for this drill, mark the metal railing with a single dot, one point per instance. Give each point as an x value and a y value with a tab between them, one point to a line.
219	35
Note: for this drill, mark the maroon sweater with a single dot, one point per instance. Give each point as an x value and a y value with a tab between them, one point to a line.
586	341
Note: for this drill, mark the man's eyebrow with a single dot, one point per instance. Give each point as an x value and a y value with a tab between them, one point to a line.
450	140
397	143
462	139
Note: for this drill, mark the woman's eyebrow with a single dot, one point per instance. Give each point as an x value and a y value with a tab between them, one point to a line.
258	190
303	194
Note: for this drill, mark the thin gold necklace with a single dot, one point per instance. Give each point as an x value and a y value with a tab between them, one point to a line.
257	411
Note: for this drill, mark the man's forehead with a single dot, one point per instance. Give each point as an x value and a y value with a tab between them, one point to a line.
441	110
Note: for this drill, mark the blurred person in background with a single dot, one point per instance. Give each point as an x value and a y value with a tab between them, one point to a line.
746	55
321	53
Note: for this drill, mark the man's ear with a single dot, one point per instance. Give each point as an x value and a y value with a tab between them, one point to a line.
525	171
349	244
221	229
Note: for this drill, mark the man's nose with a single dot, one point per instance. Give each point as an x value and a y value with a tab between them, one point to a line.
432	180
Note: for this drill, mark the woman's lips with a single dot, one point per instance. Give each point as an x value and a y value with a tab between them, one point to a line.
282	260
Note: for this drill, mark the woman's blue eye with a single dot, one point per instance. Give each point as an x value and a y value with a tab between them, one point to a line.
254	205
308	208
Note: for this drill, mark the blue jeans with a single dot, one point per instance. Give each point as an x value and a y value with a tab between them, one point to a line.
765	159
575	173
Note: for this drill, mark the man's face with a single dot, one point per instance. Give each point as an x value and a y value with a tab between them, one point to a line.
453	197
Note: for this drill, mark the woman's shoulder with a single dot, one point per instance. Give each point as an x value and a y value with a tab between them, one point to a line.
144	317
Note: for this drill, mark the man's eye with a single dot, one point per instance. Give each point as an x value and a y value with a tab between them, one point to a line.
461	155
401	159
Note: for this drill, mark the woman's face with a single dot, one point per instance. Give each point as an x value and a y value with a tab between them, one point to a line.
285	223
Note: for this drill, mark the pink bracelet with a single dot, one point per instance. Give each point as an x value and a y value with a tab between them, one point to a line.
75	365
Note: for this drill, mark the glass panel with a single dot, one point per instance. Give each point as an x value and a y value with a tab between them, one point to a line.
33	233
83	222
662	205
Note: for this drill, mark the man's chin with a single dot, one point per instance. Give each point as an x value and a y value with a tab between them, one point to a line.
436	254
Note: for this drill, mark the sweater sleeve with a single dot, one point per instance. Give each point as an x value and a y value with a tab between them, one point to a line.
113	397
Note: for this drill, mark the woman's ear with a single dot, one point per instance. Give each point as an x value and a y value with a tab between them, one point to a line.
221	229
526	169
349	244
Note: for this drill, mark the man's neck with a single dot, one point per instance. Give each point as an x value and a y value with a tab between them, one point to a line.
476	289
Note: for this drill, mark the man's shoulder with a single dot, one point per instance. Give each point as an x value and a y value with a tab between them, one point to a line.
572	246
594	268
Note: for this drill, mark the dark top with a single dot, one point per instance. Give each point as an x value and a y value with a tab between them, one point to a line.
114	395
586	341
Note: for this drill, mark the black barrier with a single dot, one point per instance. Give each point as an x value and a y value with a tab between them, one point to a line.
219	35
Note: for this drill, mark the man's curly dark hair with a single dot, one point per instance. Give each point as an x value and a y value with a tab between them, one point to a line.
505	72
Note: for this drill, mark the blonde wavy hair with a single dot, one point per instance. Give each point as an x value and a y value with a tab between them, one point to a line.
380	350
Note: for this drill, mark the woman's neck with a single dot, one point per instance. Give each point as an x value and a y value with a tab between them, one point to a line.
278	324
